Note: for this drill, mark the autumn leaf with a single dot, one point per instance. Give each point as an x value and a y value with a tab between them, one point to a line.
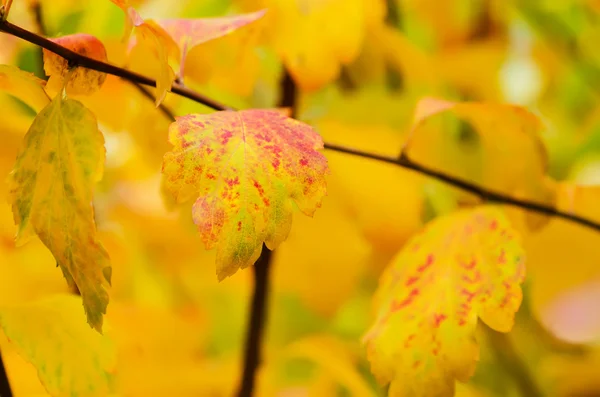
190	32
462	266
51	194
498	132
149	32
244	167
314	38
24	86
70	358
82	81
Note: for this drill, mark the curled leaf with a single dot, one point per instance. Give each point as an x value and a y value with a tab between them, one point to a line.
51	189
83	81
245	168
462	267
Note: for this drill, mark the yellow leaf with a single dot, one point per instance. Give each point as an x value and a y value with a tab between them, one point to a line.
338	258
462	266
82	81
492	133
244	167
315	37
24	86
70	358
385	201
334	358
51	194
161	43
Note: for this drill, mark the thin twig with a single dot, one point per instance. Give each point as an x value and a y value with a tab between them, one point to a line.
90	63
5	390
164	110
509	359
403	161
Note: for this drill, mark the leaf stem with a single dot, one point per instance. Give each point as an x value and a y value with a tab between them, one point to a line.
5	390
403	161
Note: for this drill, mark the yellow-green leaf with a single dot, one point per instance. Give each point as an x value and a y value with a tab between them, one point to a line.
245	168
462	267
51	189
70	358
24	86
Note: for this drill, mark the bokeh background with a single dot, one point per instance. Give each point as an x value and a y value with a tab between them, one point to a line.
360	67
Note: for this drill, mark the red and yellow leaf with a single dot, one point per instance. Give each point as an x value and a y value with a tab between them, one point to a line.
51	194
82	81
245	168
462	267
24	86
190	32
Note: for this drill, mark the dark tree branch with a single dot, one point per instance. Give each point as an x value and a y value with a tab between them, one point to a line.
256	322
403	161
5	390
258	315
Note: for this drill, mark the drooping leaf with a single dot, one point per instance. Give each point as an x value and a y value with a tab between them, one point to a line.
82	81
24	86
149	32
70	358
51	194
190	32
245	168
462	267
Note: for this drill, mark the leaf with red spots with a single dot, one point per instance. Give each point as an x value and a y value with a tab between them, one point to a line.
190	32
462	267
245	169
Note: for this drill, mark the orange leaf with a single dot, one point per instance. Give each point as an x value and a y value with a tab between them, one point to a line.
83	81
244	167
461	267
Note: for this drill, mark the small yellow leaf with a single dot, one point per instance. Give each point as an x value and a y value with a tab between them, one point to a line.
51	194
24	86
314	38
151	33
245	168
463	266
83	81
70	358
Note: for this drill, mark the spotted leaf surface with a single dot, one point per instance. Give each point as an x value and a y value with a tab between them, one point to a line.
51	194
82	81
190	32
69	357
149	32
245	169
462	267
24	86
